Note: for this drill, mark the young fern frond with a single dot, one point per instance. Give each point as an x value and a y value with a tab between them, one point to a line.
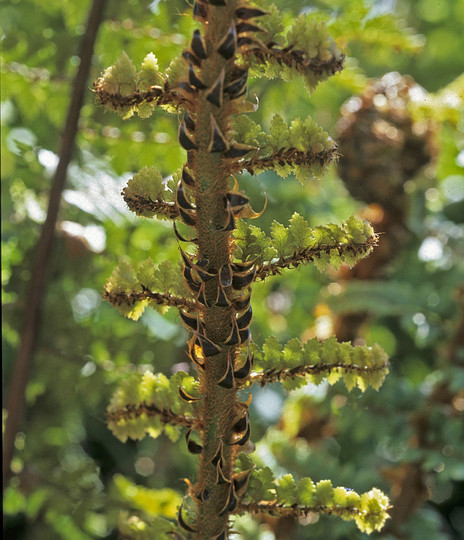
212	285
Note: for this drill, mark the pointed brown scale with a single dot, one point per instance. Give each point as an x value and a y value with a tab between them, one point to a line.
198	45
231	502
245	438
242	280
208	347
204	495
244	371
195	81
191	323
244	26
244	321
182	523
200	11
192	446
220	478
237	81
181	238
191	58
221	299
203	274
241	304
218	2
241	425
185	87
186	258
218	142
248	212
234	337
236	200
218	456
193	345
238	150
228	44
187	397
246	13
187	177
240	481
186	142
225	275
227	380
189	122
244	335
230	223
187	218
181	200
191	283
243	266
216	93
201	296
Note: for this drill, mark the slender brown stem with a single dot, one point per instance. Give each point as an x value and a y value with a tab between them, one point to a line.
19	377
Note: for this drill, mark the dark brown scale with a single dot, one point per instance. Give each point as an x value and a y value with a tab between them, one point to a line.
187	260
221	479
236	200
191	58
244	371
225	275
247	41
203	274
240	481
245	438
243	266
192	354
181	238
186	217
181	200
238	151
198	45
189	122
194	80
241	304
185	87
243	27
218	2
191	283
208	347
201	296
191	323
218	456
236	88
249	12
230	224
241	425
228	44
221	299
244	321
233	338
205	495
218	141
182	523
192	446
185	141
240	281
187	397
227	381
231	503
187	178
216	93
245	335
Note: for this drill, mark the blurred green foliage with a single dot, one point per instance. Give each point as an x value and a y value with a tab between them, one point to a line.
72	477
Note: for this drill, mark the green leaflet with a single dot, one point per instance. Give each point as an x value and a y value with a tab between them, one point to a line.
300	244
131	291
120	78
295	363
153	502
369	510
302	148
148	194
136	528
150	403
